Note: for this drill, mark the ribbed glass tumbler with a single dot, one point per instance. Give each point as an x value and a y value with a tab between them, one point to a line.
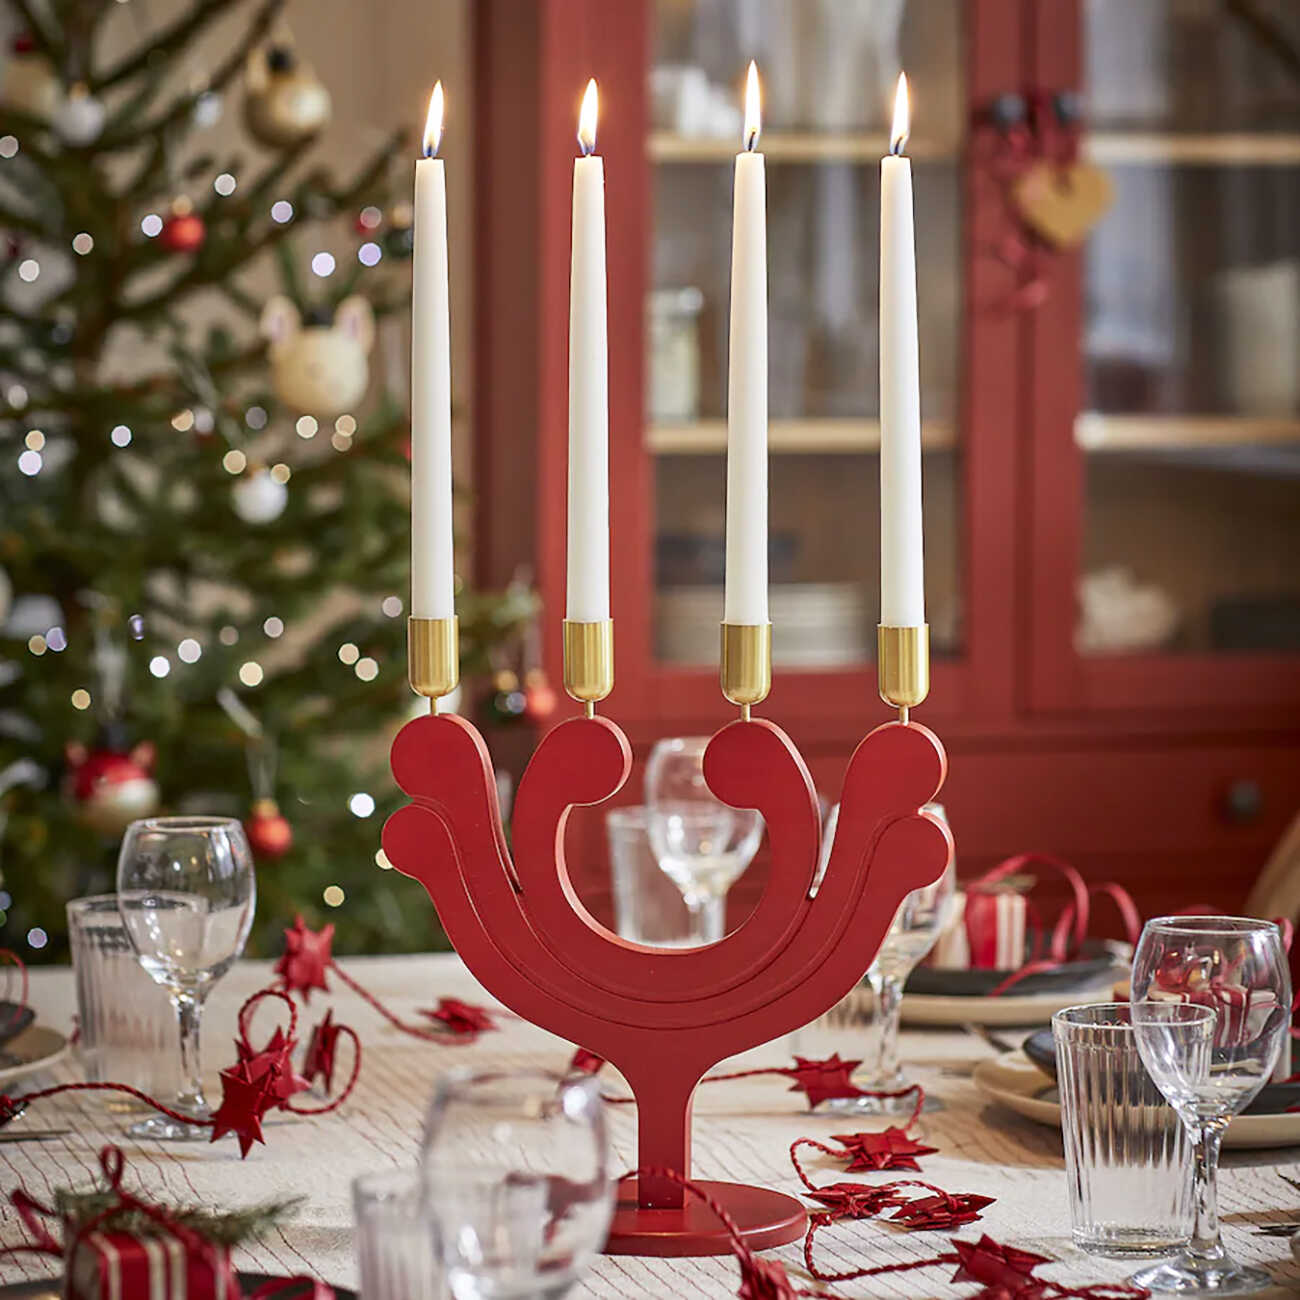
1128	1163
397	1254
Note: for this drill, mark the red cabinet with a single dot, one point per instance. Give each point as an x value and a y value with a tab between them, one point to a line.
1112	434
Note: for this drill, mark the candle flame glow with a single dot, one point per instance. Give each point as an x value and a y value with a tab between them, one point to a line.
433	123
902	127
753	109
587	120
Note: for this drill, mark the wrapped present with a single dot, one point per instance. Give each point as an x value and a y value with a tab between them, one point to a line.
1242	1014
150	1264
987	931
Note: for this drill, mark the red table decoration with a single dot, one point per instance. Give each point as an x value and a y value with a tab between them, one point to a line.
664	1017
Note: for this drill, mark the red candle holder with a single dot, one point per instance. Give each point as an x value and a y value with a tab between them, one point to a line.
664	1017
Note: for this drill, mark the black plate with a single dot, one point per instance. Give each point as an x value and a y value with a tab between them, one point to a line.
1273	1098
53	1288
1099	956
13	1020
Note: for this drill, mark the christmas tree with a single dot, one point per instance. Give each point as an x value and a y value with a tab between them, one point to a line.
203	518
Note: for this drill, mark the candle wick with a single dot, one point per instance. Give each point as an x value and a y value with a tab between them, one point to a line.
751	140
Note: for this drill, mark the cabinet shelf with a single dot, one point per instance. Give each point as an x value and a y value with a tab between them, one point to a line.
810	437
1096	432
793	146
1210	149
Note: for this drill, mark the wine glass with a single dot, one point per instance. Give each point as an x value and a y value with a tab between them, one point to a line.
920	919
1186	970
701	843
186	892
516	1169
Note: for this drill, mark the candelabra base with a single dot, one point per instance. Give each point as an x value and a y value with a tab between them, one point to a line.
765	1218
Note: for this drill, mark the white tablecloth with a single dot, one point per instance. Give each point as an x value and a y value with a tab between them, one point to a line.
743	1131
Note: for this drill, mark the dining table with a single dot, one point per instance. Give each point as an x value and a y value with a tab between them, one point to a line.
743	1130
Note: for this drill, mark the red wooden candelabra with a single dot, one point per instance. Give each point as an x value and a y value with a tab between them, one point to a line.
664	1017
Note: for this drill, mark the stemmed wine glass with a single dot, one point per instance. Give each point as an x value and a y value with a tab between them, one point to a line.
1211	1006
701	843
516	1169
920	919
186	892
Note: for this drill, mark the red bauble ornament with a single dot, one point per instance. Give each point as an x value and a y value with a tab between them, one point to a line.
183	231
111	789
269	833
540	699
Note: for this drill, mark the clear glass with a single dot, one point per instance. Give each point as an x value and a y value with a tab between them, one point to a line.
1234	969
517	1171
397	1247
828	70
702	844
1128	1161
186	893
648	907
920	919
127	1028
1191	432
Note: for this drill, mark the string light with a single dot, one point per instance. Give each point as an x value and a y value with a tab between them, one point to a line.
228	635
8	146
370	217
340	442
369	253
306	426
189	650
16	396
82	243
255	417
225	184
348	653
367	669
391	606
120	436
160	665
273	627
322	264
57	640
151	225
35	440
28	269
36	644
203	420
135	625
361	804
81	699
234	461
281	211
37	938
280	472
30	462
333	896
346	425
382	862
183	421
250	673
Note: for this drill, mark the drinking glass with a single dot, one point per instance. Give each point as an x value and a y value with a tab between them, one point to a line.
1127	1160
125	1021
920	919
186	892
648	907
397	1248
1185	970
701	843
516	1169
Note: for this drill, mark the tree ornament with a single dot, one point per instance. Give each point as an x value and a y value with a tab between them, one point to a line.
285	103
30	83
269	833
322	366
111	787
257	497
540	699
79	117
183	231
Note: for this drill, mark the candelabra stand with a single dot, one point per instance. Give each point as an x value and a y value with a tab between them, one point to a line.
664	1017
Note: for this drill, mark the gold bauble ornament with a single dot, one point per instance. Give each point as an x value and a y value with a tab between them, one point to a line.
284	103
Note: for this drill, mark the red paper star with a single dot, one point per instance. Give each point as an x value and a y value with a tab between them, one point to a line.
892	1149
244	1102
273	1064
821	1080
10	1109
854	1200
307	956
585	1062
927	1213
318	1062
996	1266
764	1279
463	1019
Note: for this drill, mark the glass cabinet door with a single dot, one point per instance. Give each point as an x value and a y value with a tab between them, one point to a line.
828	70
1191	433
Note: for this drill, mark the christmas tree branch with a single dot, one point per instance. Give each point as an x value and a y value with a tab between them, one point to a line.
45	35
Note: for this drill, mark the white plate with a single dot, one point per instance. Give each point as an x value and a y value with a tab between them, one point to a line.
1031	1009
1017	1083
37	1048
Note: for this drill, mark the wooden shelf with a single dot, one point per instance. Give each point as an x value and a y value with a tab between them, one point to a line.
1216	149
793	146
1097	432
787	437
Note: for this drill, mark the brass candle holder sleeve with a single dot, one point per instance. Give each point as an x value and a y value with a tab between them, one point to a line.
433	655
903	665
746	671
589	661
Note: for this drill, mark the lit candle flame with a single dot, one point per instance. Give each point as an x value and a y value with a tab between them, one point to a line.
902	127
433	123
587	120
753	114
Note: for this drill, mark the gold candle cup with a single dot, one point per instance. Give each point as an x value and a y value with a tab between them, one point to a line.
746	672
903	664
433	655
589	660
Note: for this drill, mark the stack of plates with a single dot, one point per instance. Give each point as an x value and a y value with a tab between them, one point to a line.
814	624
